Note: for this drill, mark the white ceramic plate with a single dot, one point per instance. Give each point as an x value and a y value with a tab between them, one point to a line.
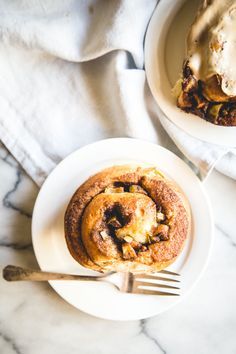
164	55
103	300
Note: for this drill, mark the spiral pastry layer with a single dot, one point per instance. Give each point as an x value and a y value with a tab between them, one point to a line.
127	218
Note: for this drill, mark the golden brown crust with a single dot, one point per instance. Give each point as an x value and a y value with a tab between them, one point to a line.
117	229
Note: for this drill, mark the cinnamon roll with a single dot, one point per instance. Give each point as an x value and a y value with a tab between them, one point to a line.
208	84
127	218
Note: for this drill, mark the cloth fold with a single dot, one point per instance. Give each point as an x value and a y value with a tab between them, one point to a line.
72	73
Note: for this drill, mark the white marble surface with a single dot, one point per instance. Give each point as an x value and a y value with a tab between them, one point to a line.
35	320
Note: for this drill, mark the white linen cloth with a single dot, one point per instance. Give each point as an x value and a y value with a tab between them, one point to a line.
71	72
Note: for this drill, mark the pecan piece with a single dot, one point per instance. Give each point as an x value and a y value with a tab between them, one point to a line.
135	188
162	232
189	84
200	102
160	217
136	245
143	248
128	251
104	235
184	100
114	222
155	239
128	239
114	190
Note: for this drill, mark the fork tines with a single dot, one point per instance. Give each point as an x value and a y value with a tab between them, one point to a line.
146	284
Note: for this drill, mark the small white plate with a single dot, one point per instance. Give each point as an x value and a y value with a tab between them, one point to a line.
164	55
103	300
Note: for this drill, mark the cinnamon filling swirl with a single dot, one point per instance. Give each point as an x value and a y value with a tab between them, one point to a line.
127	219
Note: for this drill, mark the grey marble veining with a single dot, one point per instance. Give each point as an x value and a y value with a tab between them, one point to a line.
34	319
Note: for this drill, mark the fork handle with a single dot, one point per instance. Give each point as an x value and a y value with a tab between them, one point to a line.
14	273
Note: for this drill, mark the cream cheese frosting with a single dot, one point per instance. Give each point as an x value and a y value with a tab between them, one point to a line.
211	43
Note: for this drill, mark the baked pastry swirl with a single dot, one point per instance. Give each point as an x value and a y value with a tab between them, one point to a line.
127	218
208	85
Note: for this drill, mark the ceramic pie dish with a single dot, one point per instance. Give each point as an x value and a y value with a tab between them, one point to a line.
165	53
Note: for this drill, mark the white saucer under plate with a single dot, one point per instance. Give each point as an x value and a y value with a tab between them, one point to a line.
103	300
164	55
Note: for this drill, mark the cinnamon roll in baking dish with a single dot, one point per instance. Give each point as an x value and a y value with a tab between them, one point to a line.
127	218
208	85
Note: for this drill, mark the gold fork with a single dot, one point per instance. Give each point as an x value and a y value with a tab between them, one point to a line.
124	282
